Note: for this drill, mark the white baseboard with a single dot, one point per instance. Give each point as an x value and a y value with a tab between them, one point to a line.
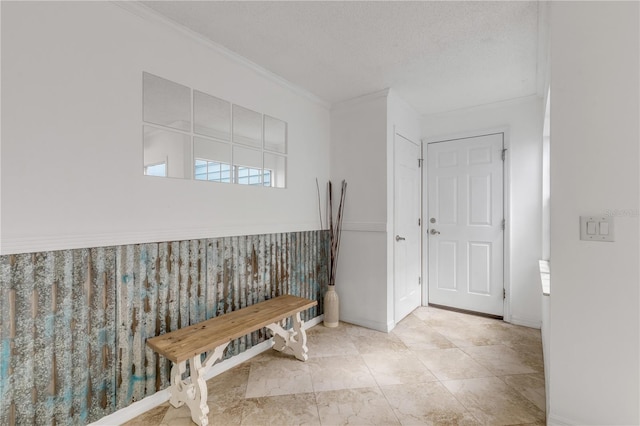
555	420
373	325
525	322
139	407
391	325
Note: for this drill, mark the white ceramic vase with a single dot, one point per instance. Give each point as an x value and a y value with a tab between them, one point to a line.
331	307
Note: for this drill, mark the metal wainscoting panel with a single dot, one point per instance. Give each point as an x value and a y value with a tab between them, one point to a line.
74	323
57	359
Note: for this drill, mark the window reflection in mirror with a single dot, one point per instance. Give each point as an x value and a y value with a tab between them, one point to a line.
158	169
276	166
166	103
212	160
172	149
247	166
212	171
248	175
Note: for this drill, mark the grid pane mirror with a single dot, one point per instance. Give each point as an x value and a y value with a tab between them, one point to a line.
247	127
211	116
190	134
275	135
166	103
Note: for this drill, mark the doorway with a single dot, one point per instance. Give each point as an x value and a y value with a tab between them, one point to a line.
466	223
406	237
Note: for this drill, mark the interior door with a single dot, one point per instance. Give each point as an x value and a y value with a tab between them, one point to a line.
407	267
465	223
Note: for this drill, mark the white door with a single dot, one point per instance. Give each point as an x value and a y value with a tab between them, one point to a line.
407	268
465	223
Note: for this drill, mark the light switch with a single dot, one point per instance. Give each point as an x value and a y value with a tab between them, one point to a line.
604	228
596	228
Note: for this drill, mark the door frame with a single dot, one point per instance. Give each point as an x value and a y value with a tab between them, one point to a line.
506	182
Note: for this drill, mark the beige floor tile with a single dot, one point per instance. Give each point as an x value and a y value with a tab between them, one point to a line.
397	368
365	406
439	317
177	417
531	386
225	407
333	342
471	334
379	343
227	395
228	414
499	359
427	404
151	417
494	375
480	320
450	316
422	337
300	409
524	335
235	379
354	330
278	376
493	402
342	327
410	321
530	353
449	364
340	372
422	312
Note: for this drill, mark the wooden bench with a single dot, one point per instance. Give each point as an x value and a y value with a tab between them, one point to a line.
214	335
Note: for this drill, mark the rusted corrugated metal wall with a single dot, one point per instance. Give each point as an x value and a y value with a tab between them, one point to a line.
57	355
73	324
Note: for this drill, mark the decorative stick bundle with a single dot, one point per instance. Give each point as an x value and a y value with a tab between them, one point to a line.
335	227
335	231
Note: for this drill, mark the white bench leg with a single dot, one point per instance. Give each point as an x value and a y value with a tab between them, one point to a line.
292	341
194	392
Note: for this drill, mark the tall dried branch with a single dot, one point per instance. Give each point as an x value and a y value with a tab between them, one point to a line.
335	229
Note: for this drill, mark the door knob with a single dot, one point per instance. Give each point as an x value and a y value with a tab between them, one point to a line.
434	232
399	238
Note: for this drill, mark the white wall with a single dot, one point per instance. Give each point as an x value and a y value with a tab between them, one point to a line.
359	155
523	122
72	134
362	135
594	324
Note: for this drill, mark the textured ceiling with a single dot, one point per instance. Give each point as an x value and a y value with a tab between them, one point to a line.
439	56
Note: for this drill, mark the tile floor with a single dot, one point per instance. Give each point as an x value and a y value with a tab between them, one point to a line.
436	367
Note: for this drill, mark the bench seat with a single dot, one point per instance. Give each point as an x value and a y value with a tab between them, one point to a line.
214	335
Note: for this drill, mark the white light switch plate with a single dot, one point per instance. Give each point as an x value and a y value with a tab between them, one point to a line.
596	228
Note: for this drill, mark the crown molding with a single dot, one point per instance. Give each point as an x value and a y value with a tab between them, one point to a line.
150	15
